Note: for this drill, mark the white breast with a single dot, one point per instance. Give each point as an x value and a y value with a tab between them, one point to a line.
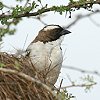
47	58
44	55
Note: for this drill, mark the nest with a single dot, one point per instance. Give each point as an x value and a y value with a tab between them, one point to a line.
17	80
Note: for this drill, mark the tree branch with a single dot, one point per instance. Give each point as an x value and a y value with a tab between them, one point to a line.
82	70
78	17
53	8
78	85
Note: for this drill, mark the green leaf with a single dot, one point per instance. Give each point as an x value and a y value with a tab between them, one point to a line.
64	95
34	5
2	65
60	9
11	31
17	10
1	6
28	9
71	1
88	80
4	31
4	21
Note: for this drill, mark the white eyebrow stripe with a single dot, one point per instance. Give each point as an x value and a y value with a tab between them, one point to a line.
50	27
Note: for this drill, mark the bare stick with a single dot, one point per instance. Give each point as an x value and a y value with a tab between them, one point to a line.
78	17
82	70
78	85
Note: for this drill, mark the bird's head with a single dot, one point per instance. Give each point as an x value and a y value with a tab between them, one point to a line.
51	33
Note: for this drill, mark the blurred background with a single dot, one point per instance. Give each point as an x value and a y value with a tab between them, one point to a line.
81	48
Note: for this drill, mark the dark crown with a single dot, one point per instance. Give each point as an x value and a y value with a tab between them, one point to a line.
50	33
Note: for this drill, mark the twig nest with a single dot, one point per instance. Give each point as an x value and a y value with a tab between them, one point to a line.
14	85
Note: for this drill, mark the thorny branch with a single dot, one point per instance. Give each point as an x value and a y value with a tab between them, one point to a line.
73	84
78	17
41	11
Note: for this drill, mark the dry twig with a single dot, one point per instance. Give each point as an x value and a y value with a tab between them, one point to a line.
82	70
78	17
78	85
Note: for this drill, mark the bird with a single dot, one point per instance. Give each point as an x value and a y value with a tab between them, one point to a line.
45	52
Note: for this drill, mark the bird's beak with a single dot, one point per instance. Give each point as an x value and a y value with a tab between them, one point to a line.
64	32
